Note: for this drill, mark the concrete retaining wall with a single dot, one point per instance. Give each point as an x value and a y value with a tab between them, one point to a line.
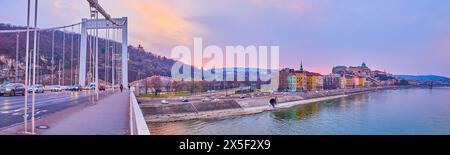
231	107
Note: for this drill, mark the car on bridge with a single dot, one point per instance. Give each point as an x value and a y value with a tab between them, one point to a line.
90	86
75	87
55	88
38	88
12	89
102	88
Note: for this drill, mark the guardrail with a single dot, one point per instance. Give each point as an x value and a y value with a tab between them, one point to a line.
138	125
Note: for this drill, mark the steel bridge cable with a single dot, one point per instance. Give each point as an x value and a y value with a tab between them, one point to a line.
63	58
39	29
53	56
96	5
17	57
27	50
71	57
106	55
34	68
78	53
38	55
112	57
96	55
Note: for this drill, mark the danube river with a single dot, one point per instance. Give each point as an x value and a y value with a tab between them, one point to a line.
403	111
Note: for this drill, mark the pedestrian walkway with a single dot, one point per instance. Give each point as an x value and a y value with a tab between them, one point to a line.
109	116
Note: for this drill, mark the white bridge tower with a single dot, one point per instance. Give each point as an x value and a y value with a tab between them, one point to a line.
87	24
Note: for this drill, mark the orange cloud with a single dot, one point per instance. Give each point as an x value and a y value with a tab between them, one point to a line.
291	5
61	7
156	23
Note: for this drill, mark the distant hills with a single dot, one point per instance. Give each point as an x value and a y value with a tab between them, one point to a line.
141	64
424	78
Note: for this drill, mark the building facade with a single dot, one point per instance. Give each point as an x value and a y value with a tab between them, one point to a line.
331	81
362	81
292	81
301	78
349	81
314	81
301	81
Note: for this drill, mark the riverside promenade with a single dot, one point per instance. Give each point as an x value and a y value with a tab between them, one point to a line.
108	116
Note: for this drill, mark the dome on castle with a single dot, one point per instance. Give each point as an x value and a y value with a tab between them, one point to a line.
363	65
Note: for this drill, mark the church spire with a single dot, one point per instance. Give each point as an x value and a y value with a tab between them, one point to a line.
301	66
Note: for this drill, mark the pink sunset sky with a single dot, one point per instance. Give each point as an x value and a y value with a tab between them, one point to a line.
400	36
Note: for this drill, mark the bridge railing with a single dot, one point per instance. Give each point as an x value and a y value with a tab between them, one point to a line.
138	125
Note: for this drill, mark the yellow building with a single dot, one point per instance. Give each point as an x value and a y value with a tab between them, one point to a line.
342	82
356	81
362	81
314	81
301	80
349	81
310	82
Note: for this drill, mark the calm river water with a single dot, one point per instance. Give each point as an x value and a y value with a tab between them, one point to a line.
404	111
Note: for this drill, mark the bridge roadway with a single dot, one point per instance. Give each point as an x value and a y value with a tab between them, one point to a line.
12	108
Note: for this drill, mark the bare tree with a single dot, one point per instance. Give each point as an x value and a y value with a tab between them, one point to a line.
168	85
175	86
155	82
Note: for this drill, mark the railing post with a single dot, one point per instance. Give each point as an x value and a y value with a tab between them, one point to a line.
131	113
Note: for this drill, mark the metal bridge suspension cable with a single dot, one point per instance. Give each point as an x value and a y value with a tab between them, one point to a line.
113	59
53	56
106	56
71	57
96	5
91	56
27	50
38	55
96	57
120	51
34	69
63	57
78	53
17	57
33	29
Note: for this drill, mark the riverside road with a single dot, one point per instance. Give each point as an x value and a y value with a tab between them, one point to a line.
12	108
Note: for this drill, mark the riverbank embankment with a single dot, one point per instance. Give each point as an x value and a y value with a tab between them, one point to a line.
156	112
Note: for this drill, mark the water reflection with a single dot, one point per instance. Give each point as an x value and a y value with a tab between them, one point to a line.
298	113
306	111
404	111
171	128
